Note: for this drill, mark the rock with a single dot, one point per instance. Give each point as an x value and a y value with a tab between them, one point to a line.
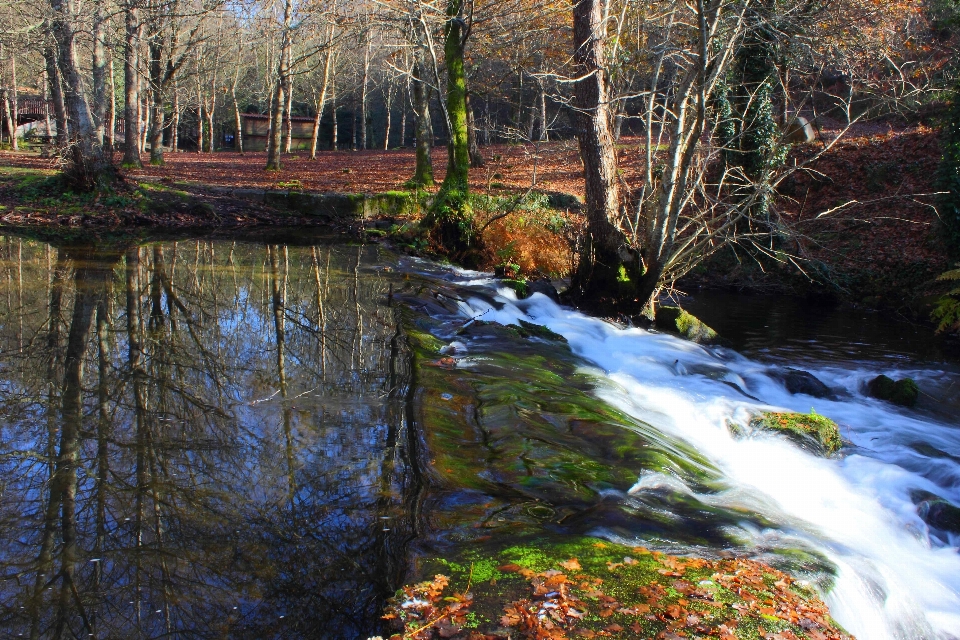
529	329
940	514
800	130
902	392
802	382
809	430
676	320
545	287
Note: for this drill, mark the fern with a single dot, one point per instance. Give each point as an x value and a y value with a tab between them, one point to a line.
946	313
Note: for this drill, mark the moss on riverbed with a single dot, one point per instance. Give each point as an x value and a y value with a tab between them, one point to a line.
551	587
807	429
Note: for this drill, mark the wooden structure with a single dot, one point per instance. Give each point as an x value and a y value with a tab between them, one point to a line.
256	128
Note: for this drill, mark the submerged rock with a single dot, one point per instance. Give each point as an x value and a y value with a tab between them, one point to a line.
809	430
902	392
940	514
686	325
802	382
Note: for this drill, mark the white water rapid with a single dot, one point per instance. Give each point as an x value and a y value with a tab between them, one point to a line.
894	580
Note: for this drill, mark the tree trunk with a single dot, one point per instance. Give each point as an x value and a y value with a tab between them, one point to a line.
450	219
364	89
175	121
145	119
403	123
458	152
89	167
283	72
288	117
56	92
131	108
544	125
99	87
334	141
320	104
110	132
211	114
156	80
9	99
600	263
389	106
238	123
476	158
46	101
423	173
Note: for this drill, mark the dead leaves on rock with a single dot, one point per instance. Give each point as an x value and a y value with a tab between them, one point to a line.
573	602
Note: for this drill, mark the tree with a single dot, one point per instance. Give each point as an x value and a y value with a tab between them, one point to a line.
450	219
89	168
131	84
281	88
598	272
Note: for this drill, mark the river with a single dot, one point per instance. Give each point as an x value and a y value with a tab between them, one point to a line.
214	438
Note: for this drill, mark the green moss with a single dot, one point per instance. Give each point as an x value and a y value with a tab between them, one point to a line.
622	591
807	429
902	392
676	320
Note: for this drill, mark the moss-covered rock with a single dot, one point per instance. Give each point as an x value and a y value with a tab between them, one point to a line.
902	392
809	430
551	587
686	325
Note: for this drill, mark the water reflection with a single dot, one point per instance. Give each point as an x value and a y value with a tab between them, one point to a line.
200	439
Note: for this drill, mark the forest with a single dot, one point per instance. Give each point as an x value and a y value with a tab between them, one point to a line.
695	124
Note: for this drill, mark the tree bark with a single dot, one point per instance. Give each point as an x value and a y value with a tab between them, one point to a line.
89	166
175	121
389	105
99	87
320	104
288	117
458	153
56	92
157	82
131	108
364	90
600	261
423	173
476	158
110	132
334	135
283	72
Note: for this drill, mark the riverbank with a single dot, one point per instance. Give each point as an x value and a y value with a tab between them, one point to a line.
862	227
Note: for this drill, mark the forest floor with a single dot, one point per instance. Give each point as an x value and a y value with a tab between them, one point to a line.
864	217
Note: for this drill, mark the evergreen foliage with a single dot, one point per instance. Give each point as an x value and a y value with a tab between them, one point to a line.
947	312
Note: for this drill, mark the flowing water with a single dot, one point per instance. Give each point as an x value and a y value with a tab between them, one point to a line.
210	438
896	578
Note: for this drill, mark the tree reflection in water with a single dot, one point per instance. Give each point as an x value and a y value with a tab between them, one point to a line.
200	439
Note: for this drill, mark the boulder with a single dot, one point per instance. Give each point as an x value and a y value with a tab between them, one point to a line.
802	382
940	514
545	287
676	320
811	431
902	392
800	130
